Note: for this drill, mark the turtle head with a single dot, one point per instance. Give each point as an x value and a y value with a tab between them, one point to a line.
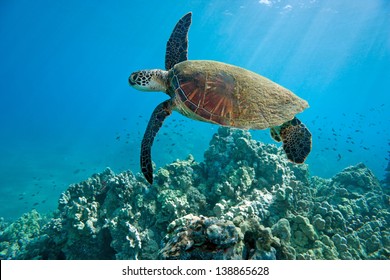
149	80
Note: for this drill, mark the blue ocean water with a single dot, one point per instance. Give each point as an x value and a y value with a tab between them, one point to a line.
67	111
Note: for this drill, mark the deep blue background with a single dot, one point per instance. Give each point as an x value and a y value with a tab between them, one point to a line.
67	111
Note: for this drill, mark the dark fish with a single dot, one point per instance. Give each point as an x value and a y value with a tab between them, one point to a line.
350	151
36	203
118	137
338	157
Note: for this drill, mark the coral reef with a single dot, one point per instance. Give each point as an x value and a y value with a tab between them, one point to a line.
16	237
244	201
193	237
386	181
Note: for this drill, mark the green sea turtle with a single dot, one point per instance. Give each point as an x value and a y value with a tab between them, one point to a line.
220	93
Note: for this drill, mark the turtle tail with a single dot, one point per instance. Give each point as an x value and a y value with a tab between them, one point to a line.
296	139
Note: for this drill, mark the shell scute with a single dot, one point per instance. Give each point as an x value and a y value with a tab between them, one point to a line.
228	95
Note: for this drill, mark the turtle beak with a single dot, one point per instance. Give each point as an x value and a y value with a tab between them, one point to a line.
131	80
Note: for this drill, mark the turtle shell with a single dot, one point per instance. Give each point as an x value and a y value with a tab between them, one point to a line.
232	96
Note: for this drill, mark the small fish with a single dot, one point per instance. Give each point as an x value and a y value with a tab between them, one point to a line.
118	137
349	150
338	157
36	203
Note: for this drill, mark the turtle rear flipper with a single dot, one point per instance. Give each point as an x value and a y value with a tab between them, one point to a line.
296	140
275	133
177	45
159	114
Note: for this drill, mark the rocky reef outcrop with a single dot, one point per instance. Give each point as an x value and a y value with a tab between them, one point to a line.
244	201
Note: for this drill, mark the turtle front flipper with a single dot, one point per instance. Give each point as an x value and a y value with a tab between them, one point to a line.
156	120
296	139
177	45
